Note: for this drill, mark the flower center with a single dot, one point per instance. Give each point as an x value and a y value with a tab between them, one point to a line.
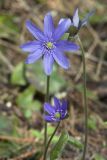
49	45
57	115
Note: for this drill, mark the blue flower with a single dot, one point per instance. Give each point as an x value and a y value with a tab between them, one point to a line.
80	23
57	112
76	23
48	44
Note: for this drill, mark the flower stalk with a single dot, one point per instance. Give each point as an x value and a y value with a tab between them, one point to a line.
85	99
47	146
46	100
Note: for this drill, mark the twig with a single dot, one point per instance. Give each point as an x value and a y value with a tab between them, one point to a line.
96	37
99	66
9	45
24	155
18	140
90	51
102	45
6	61
92	58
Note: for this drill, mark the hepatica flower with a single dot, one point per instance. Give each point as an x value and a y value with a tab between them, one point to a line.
76	23
48	44
57	112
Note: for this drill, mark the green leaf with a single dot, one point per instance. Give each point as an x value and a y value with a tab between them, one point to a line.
56	151
92	124
8	26
37	104
25	98
28	113
50	129
7	149
36	76
65	36
99	157
37	134
27	103
40	134
104	124
76	143
6	126
17	76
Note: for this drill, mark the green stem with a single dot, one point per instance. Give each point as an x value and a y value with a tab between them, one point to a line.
46	100
47	89
85	100
47	146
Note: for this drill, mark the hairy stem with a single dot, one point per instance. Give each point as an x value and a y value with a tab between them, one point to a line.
85	100
47	146
46	99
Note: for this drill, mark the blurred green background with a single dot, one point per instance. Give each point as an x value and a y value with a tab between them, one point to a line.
22	87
